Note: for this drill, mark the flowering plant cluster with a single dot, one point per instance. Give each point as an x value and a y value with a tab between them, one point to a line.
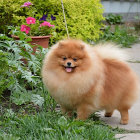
34	27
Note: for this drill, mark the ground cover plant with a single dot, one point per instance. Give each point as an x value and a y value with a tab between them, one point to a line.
113	19
119	35
117	31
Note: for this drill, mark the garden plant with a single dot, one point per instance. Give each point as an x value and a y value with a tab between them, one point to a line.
27	111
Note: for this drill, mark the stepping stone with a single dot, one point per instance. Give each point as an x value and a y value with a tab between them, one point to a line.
131	136
134	52
136	68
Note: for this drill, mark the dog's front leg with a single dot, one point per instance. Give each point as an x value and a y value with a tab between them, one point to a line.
84	111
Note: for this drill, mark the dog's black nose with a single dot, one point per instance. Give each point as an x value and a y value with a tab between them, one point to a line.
69	63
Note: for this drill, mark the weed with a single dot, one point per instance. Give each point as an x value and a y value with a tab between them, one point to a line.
119	36
113	19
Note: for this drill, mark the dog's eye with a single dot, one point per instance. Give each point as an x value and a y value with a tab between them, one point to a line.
74	59
64	58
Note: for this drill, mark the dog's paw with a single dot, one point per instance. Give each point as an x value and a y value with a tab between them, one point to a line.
124	122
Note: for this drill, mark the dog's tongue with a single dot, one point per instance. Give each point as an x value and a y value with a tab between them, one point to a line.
68	69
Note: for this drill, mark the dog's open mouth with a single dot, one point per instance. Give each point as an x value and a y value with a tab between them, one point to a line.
69	69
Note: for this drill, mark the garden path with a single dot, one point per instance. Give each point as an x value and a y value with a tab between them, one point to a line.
133	126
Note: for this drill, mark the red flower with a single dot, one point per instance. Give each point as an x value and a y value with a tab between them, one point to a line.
30	20
25	29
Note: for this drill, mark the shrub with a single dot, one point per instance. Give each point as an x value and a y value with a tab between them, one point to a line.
10	13
113	19
119	35
83	17
21	79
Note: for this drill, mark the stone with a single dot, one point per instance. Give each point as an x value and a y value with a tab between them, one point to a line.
134	52
131	136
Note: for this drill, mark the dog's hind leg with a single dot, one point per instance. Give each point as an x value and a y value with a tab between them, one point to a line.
124	116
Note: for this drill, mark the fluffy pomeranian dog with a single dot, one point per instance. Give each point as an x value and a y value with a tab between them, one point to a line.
87	79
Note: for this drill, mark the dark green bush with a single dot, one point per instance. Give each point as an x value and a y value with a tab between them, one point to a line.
113	19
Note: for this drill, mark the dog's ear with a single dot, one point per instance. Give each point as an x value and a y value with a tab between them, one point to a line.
82	46
61	44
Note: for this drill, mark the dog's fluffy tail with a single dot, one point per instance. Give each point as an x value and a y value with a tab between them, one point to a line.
111	51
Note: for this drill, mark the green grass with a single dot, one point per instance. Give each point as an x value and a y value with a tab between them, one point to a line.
51	126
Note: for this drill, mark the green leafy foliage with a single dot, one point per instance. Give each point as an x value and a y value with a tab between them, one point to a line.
36	30
3	71
10	13
83	17
37	99
20	71
119	36
36	27
113	19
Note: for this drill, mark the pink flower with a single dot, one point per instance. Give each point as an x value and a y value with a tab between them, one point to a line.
30	20
27	4
25	29
45	23
52	26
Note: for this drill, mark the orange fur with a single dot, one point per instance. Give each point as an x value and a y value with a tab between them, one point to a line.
93	82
